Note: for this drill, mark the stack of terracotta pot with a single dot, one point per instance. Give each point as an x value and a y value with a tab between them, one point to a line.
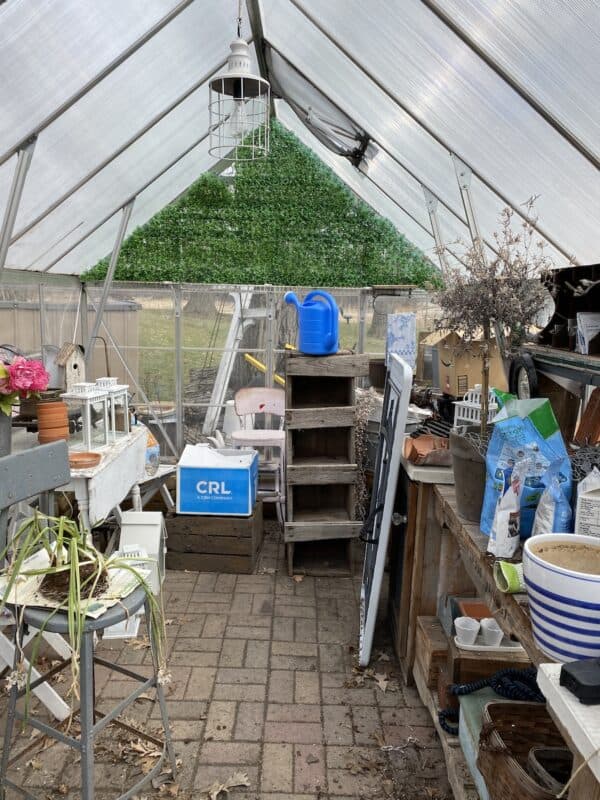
53	421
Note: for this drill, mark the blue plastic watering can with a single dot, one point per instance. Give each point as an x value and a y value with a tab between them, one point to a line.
318	333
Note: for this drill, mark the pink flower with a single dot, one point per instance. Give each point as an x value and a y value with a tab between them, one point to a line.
40	377
27	376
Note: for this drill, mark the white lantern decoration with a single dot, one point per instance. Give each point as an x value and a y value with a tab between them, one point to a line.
92	403
118	406
239	107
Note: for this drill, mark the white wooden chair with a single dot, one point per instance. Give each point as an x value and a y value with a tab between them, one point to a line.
270	442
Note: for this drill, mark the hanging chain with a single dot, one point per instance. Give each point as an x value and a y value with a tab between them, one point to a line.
239	20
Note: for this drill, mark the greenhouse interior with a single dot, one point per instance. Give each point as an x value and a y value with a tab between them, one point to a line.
300	400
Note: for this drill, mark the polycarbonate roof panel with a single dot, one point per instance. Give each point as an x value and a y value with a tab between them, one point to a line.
49	49
162	192
553	51
119	107
358	183
113	185
445	85
391	129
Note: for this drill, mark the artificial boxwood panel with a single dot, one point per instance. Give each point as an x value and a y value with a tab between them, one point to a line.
286	220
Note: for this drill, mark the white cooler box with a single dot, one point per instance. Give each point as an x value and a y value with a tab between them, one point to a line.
218	482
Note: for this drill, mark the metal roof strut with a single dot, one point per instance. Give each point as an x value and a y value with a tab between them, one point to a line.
14	198
110	273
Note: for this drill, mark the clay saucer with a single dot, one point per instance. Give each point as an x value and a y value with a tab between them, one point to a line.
84	460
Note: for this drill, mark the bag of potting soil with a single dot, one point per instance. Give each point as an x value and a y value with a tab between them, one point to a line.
504	536
553	514
525	432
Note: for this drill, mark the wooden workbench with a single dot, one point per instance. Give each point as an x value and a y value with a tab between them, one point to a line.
468	544
450	558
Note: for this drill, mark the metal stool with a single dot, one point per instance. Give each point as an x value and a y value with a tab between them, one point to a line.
91	721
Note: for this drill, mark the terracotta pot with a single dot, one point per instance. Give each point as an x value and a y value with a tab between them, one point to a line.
28	407
53	422
55	407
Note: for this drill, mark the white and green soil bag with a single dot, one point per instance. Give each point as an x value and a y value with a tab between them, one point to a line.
526	433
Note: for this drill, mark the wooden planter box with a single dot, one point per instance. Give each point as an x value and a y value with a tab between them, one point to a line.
215	544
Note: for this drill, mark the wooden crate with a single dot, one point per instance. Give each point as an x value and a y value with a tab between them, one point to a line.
214	544
321	465
431	648
466	666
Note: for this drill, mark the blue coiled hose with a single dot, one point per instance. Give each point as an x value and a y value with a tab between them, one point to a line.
514	684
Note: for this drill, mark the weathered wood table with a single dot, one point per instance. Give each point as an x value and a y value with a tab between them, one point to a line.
450	558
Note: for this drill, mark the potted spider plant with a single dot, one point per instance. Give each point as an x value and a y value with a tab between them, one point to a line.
52	562
499	293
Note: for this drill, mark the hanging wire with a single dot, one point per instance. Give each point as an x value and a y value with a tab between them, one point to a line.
239	20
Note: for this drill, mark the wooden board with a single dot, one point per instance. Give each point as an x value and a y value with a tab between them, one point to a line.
510	610
207	562
466	666
311	531
459	777
332	417
431	648
316	470
218	526
352	365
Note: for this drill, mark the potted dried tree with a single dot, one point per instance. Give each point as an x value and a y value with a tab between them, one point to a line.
490	296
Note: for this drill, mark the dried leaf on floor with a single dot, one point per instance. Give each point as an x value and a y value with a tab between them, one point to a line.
378	737
237	779
298	578
382	681
141	643
34	763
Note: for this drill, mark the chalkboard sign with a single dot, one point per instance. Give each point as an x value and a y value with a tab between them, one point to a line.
376	530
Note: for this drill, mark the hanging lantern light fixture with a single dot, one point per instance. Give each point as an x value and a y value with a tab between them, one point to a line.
239	105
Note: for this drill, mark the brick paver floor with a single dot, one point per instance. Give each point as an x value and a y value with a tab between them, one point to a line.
264	684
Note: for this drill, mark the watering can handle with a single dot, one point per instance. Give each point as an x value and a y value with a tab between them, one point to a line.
333	310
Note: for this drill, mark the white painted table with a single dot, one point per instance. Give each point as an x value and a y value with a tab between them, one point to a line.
100	489
580	726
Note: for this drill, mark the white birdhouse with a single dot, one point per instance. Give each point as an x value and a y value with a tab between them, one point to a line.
71	358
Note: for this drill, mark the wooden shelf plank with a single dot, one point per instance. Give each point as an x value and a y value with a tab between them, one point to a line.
320	470
312	531
341	366
324	417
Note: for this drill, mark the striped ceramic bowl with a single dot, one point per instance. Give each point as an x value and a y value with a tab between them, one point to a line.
564	603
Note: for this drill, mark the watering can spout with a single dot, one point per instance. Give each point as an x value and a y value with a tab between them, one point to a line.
290	297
